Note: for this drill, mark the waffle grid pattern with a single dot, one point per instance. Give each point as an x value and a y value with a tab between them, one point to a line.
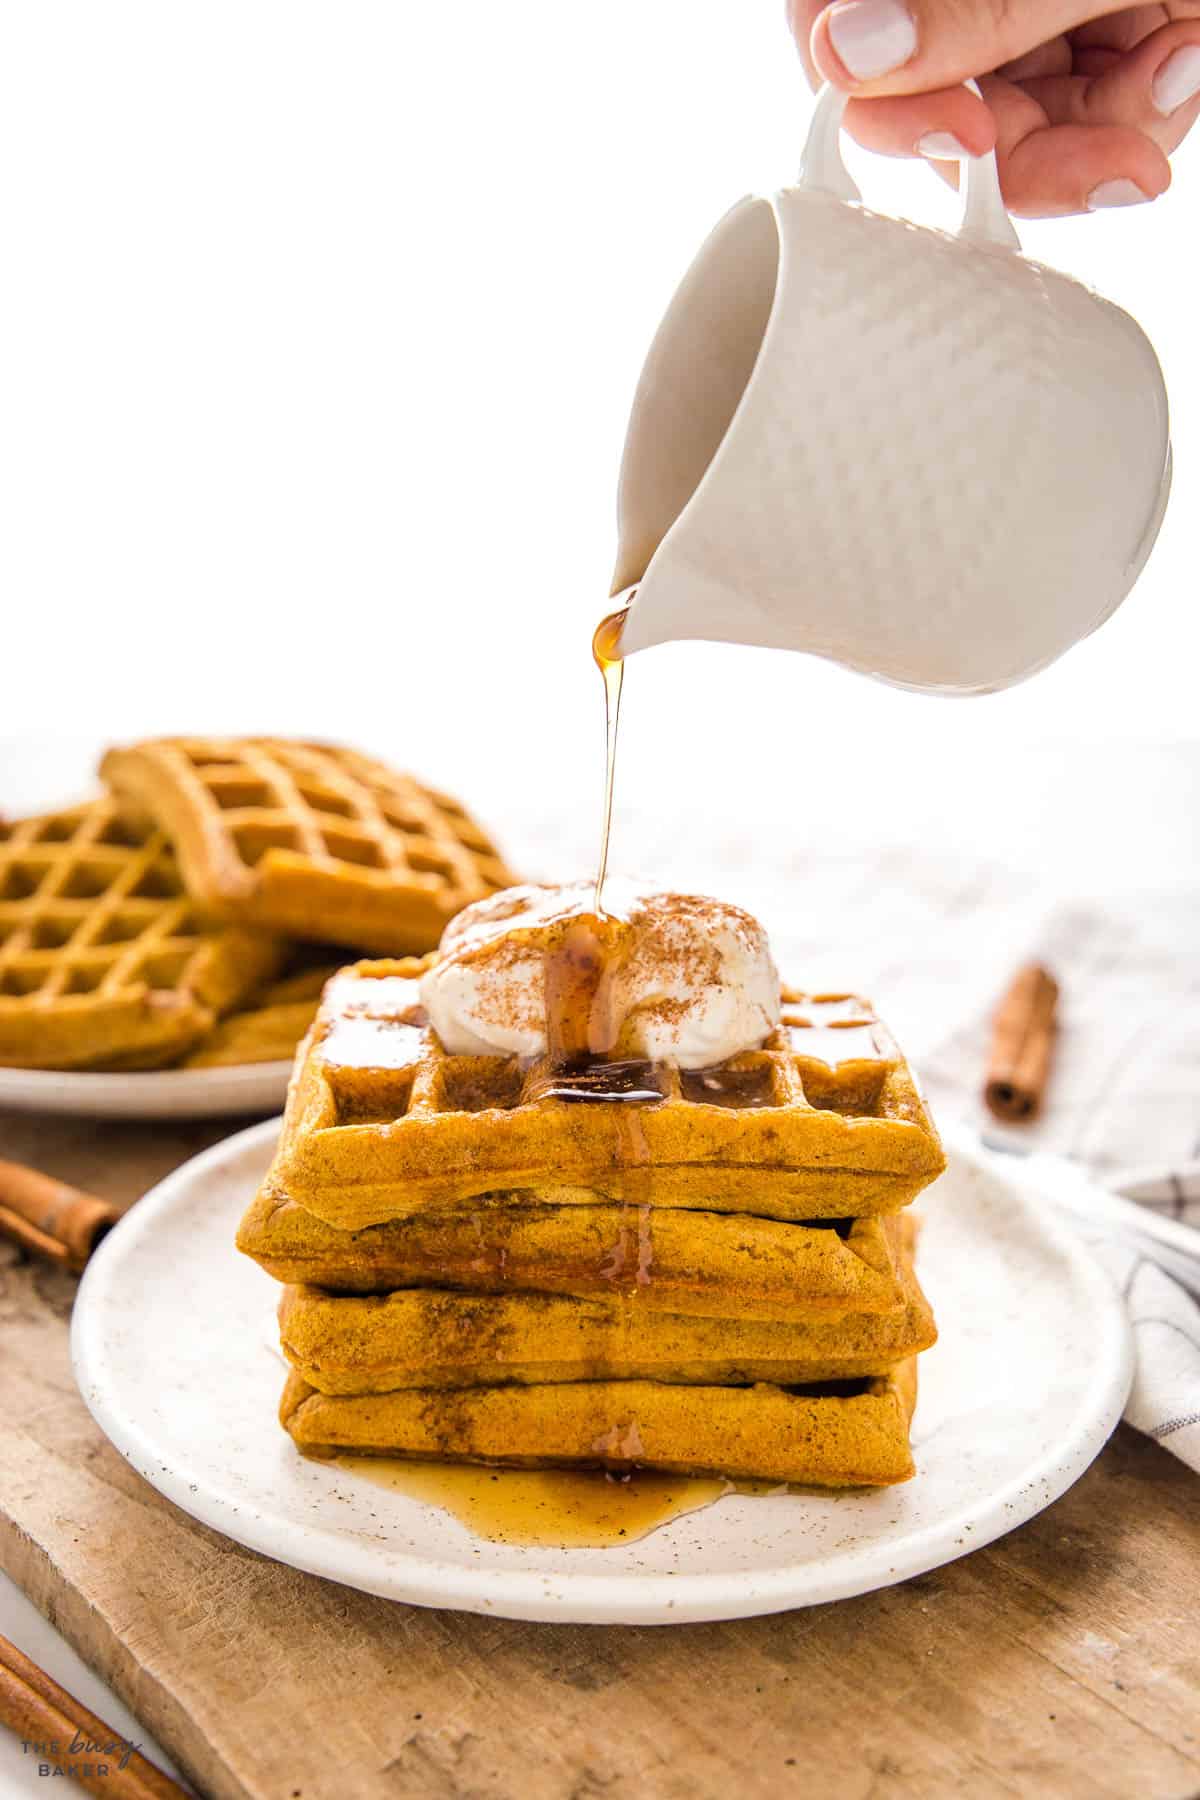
89	904
415	1078
251	817
94	919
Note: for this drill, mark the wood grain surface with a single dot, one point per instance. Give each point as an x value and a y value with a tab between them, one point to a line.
1062	1660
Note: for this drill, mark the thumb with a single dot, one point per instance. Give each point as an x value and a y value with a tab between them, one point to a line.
908	46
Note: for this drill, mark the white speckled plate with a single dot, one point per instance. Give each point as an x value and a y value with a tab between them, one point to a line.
1029	1378
147	1093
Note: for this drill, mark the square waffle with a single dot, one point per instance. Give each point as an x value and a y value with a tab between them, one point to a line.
103	957
429	1338
717	1265
824	1121
839	1434
310	839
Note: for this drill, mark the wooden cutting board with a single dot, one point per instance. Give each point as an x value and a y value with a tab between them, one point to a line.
1059	1661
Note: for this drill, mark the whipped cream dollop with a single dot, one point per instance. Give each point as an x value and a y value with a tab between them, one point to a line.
688	980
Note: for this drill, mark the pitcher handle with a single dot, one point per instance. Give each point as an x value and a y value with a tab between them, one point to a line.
985	217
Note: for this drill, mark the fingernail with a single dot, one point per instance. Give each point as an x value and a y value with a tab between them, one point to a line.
1178	80
872	37
1115	193
942	146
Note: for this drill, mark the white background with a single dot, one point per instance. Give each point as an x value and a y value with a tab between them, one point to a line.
318	329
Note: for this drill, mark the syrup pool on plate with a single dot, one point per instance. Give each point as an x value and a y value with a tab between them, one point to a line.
564	1508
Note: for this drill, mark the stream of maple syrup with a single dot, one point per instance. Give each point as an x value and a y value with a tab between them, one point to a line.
583	1020
606	649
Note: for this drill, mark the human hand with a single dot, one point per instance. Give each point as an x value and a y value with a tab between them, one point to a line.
1082	104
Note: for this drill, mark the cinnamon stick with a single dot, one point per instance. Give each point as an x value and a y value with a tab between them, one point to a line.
61	1734
50	1217
1022	1046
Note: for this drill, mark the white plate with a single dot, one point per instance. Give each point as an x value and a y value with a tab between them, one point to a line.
147	1093
1027	1381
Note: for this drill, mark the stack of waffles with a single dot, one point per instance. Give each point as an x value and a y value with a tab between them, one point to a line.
713	1274
192	912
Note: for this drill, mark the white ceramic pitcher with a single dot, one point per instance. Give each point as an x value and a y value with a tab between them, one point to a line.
917	453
